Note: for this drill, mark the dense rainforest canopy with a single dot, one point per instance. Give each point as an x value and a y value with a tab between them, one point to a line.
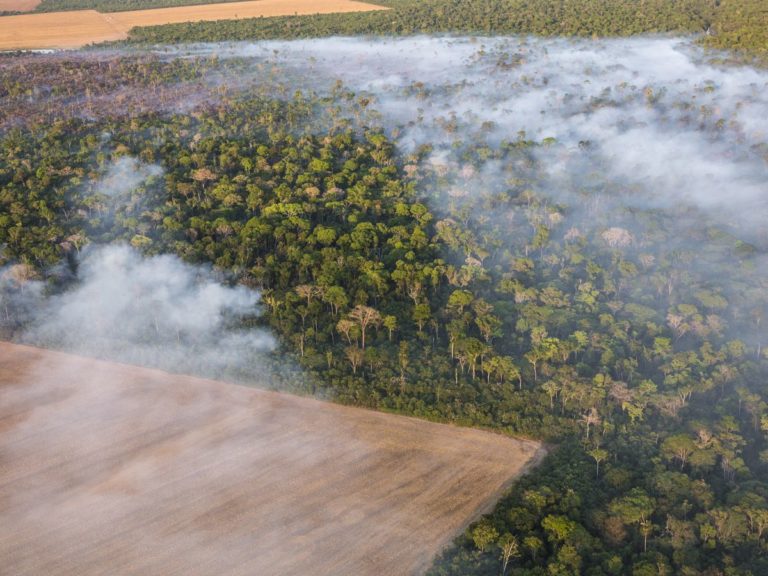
600	328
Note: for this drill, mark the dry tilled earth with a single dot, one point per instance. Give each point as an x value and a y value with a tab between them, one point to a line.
112	469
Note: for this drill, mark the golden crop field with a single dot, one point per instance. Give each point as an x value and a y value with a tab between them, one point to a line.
78	28
111	469
18	5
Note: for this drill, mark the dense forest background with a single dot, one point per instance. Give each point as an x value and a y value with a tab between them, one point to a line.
739	25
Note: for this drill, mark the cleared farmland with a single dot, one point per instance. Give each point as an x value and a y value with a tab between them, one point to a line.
108	468
18	5
78	28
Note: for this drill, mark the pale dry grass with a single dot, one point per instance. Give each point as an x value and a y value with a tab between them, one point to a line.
78	28
112	469
18	5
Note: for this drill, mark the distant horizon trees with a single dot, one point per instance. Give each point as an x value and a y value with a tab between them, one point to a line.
737	25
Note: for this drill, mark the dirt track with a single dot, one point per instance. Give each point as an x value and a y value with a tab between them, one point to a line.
111	469
77	28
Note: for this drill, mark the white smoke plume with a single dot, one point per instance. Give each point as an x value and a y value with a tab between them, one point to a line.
649	115
153	311
125	175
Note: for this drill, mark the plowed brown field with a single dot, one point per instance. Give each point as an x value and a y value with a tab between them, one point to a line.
78	28
112	469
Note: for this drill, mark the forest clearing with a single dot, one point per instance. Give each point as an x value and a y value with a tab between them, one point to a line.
107	467
78	28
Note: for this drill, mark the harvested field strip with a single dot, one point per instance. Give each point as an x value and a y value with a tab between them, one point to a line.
78	28
107	468
18	5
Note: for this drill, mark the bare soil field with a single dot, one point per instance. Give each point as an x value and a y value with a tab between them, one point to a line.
112	469
77	28
18	5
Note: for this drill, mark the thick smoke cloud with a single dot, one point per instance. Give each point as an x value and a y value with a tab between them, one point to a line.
650	116
152	311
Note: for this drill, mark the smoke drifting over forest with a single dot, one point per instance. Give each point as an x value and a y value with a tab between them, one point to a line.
125	175
605	130
615	125
650	118
152	311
